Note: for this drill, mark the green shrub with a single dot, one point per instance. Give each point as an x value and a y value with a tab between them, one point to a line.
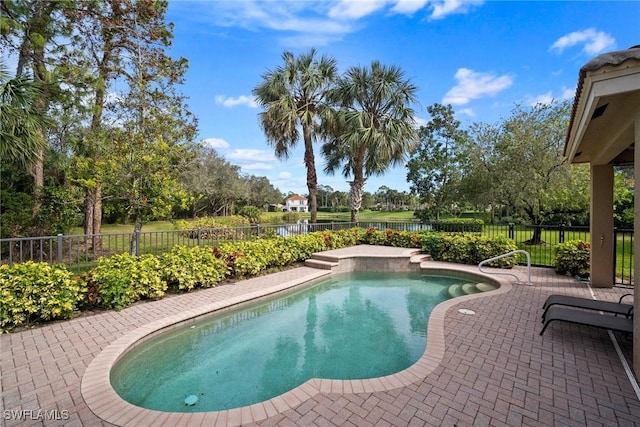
249	258
468	248
459	225
186	268
214	228
243	258
340	239
373	236
33	291
251	213
124	279
572	258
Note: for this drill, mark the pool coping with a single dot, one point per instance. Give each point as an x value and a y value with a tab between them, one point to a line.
105	403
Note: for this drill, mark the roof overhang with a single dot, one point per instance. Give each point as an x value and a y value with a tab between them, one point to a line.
605	110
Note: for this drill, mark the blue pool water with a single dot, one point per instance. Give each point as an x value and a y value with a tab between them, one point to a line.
350	326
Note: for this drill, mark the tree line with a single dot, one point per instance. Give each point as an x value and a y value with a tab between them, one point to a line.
94	126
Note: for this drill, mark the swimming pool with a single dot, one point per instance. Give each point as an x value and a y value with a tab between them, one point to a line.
349	326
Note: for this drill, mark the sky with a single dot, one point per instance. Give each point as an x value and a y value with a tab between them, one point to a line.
482	57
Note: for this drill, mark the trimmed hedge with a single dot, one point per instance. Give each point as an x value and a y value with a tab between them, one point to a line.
124	279
573	258
186	268
468	248
34	291
459	225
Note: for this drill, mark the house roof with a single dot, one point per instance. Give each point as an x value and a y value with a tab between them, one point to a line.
601	128
296	197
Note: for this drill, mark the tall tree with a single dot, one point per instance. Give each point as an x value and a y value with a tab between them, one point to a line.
23	123
153	129
374	125
292	95
519	164
214	183
30	30
433	169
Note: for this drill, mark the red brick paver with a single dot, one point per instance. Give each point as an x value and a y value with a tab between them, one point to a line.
497	370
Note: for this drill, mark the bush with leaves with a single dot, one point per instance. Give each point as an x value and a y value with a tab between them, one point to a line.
186	268
573	258
124	279
459	225
251	213
468	248
33	291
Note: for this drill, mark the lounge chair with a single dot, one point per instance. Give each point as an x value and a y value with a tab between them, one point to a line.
590	304
587	318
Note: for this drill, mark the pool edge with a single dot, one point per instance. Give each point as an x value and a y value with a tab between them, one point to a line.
105	403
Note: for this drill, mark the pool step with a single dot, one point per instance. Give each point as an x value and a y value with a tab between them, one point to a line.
458	290
321	264
420	258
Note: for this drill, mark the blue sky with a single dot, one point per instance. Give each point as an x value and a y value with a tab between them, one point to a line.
483	58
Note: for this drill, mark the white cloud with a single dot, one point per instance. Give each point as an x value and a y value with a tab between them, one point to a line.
355	9
594	42
408	7
467	112
233	102
284	175
315	23
251	155
545	99
215	143
421	121
567	94
442	8
473	85
548	97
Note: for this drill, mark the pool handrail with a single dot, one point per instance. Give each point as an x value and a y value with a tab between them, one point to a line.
518	251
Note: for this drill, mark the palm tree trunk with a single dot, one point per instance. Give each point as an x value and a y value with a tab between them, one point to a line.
312	177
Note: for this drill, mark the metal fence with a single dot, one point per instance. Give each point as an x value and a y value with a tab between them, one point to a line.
80	252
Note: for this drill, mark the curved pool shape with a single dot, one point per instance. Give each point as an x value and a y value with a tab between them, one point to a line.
349	326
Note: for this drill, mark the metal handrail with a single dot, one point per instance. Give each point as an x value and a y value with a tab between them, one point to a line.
519	251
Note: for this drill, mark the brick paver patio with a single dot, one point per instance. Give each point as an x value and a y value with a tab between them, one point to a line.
497	370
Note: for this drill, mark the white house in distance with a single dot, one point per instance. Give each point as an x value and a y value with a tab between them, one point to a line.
295	203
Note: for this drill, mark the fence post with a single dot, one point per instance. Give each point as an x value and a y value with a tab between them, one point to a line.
59	247
561	236
511	230
199	234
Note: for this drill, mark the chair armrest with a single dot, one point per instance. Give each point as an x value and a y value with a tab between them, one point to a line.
622	297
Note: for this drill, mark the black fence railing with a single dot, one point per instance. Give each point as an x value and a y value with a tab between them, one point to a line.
80	252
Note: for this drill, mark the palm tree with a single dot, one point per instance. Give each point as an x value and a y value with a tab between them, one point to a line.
374	126
22	122
293	94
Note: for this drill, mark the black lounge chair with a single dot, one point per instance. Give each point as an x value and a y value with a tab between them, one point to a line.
590	304
588	318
